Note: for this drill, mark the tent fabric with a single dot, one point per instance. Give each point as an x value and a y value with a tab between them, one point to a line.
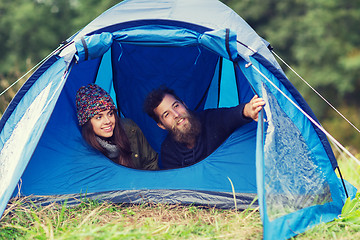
223	200
221	41
211	62
23	128
287	186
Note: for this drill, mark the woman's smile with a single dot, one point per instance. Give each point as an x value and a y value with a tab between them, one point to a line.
103	123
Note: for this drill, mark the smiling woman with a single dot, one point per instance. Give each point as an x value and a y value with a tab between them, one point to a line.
121	141
103	123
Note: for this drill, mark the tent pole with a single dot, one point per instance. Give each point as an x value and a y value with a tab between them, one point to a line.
219	80
342	180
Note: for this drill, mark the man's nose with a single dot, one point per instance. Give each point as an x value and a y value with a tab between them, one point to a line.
176	114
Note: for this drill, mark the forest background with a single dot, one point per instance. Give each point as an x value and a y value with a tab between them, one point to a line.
318	38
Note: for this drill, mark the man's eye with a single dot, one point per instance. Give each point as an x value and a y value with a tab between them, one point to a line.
176	105
166	115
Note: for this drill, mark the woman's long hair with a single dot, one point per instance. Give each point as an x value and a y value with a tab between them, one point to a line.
119	139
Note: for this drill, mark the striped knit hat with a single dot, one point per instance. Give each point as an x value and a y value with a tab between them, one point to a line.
91	100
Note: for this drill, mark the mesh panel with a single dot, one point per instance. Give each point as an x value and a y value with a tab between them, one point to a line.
293	181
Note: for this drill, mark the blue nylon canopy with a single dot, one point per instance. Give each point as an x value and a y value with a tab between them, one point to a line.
211	62
96	45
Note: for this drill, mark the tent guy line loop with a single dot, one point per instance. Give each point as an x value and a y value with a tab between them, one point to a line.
323	98
310	118
248	47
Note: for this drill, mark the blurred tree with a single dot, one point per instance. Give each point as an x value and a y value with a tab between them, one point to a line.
320	40
31	29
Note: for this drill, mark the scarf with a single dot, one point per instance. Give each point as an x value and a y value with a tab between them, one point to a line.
112	151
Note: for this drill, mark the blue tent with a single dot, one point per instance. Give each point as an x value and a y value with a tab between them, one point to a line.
212	58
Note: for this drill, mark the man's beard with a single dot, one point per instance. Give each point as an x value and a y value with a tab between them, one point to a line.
189	132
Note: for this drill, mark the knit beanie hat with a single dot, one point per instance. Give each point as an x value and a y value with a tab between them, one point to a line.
91	100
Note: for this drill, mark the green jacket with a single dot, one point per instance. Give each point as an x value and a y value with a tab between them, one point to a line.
143	155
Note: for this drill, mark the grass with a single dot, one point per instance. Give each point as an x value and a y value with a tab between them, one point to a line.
94	220
101	220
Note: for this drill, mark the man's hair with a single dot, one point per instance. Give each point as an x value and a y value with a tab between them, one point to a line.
154	98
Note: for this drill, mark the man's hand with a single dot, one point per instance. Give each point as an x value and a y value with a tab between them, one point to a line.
252	108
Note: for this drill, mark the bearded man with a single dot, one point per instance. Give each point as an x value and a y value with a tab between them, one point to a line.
194	136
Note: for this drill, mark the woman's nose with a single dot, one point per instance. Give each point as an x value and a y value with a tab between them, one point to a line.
106	119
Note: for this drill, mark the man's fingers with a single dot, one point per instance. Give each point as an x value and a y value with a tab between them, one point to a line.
254	107
259	103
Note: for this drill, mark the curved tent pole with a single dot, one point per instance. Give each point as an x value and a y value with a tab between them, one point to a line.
342	180
248	47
